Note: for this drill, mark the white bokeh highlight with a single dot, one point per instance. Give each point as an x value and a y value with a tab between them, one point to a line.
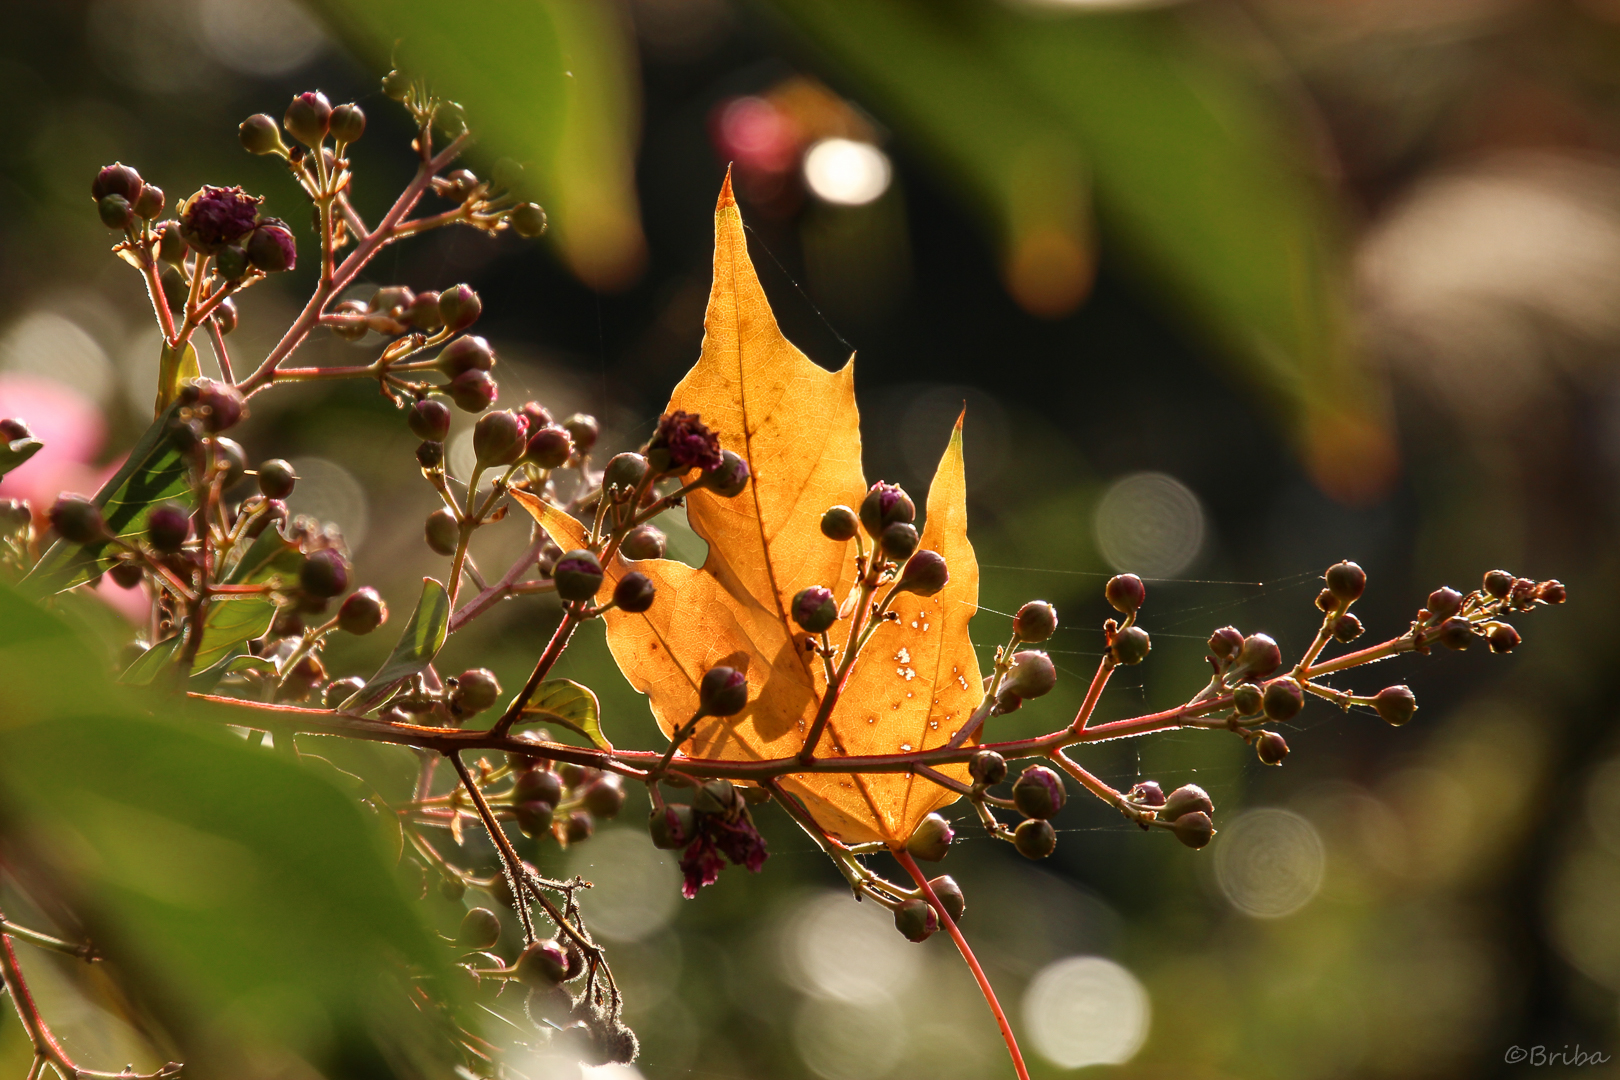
841	950
847	173
51	346
636	886
259	37
1086	1010
1149	523
329	493
1269	862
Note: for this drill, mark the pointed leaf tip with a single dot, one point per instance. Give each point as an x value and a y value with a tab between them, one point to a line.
726	197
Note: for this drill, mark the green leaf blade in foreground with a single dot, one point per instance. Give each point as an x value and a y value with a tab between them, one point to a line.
571	705
420	642
155	472
17	451
248	901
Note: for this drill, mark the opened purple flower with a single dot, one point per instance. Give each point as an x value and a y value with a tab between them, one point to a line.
216	216
684	442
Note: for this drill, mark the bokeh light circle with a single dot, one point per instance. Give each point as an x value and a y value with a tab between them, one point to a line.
1269	862
45	344
840	1040
847	172
1149	523
329	493
1086	1010
260	37
637	887
837	948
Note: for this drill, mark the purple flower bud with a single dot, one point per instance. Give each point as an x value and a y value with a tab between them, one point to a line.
429	419
1498	583
217	405
362	612
476	690
424	312
1502	638
1186	799
604	797
925	573
308	118
470	353
13	429
1248	699
1125	592
730	478
459	307
950	896
542	965
1032	674
814	609
884	505
1346	628
899	541
216	216
167	528
1039	792
578	575
442	532
1456	634
1552	592
1147	793
1346	581
672	827
151	202
225	315
528	220
535	785
1195	829
473	391
498	438
271	247
1259	655
723	691
550	447
115	212
683	443
1444	602
1035	622
325	573
1271	748
480	929
117	179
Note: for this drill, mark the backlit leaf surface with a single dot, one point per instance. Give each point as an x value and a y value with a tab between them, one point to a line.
798	426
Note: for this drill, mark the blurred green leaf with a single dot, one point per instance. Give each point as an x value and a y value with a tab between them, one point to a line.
151	663
565	702
550	83
420	642
230	624
1195	170
269	555
247	900
17	451
156	471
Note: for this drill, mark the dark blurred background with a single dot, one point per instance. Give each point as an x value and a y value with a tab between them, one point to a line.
1230	290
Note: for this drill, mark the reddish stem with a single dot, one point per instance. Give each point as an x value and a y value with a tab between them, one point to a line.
1094	692
905	860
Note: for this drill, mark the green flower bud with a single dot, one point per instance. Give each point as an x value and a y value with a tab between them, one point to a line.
672	827
459	308
578	575
898	541
442	532
1186	799
584	430
480	929
1395	705
840	524
1035	838
1271	748
171	246
542	965
396	86
1032	674
476	690
150	203
231	262
1248	699
1283	699
1194	829
260	135
931	839
643	542
348	123
916	921
950	896
634	593
1039	792
276	478
987	767
115	212
528	220
1131	645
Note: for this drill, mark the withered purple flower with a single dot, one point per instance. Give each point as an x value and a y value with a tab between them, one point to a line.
686	442
216	216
